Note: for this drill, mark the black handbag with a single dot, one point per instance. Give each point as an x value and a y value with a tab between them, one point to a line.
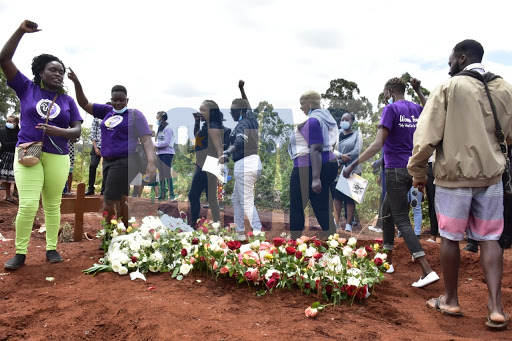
500	134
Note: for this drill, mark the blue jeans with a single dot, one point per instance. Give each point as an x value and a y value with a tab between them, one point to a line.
395	210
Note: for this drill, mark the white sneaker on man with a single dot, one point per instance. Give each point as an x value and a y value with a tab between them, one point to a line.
428	279
375	229
348	227
391	269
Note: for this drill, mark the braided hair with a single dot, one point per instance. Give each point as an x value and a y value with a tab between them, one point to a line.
39	63
396	83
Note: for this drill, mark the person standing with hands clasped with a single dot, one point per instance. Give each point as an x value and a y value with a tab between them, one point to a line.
460	123
394	137
45	179
244	149
121	128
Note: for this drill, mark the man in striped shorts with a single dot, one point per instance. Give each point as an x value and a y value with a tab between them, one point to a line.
458	124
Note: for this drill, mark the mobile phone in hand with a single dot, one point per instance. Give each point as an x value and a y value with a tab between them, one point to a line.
31	24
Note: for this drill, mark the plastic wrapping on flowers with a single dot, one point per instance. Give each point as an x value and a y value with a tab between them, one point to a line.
336	269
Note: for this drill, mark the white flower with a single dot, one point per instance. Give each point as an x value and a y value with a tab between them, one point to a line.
146	243
134	246
382	256
114	234
132	220
354	281
352	242
137	274
155	245
255	245
354	272
132	265
303	247
310	251
334	243
215	247
347	251
335	261
121	226
116	265
256	233
159	257
216	225
185	269
123	270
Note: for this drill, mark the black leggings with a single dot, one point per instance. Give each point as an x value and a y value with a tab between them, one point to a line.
203	181
301	193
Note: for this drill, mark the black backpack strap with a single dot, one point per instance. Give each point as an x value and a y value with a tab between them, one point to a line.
487	77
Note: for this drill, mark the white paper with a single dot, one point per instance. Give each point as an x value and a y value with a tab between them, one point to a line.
353	187
212	166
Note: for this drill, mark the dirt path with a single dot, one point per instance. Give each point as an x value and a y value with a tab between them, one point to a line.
76	306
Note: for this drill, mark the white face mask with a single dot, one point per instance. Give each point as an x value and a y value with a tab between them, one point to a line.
9	125
345	125
120	111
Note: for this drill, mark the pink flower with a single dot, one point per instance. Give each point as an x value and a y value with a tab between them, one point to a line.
311	312
192	260
224	270
215	266
361	253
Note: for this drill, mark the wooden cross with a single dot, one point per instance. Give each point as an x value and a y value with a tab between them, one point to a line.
79	206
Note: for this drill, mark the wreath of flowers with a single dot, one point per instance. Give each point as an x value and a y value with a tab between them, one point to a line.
336	270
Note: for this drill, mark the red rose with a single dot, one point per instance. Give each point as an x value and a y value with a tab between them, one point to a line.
298	255
247	275
351	290
278	241
271	283
134	259
105	214
151	231
368	249
361	293
317	243
318	255
233	244
203	259
307	285
377	261
379	241
250	234
184	252
290	250
195	241
292	243
328	288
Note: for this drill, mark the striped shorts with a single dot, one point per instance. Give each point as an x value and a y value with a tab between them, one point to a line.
478	211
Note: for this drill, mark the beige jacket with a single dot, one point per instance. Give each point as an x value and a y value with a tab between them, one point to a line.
457	123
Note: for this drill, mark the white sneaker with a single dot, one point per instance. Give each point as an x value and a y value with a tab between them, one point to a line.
428	279
348	227
391	269
241	237
375	229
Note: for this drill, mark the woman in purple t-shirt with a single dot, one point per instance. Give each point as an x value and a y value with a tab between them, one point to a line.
394	137
314	166
47	177
121	130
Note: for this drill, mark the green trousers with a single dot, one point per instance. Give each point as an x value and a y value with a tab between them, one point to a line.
45	179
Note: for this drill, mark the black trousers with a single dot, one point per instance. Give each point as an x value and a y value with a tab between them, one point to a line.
301	193
431	196
95	161
203	181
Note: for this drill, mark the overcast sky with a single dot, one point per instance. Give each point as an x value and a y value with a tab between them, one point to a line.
177	53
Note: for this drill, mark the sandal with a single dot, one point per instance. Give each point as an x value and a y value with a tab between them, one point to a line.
441	310
497	325
11	200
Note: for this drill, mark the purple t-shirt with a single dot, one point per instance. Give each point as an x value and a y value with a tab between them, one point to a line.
400	118
118	134
34	103
312	133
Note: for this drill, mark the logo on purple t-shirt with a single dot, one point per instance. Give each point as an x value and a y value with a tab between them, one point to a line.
42	109
113	121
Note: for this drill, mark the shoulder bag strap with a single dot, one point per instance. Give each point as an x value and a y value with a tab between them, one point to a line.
499	131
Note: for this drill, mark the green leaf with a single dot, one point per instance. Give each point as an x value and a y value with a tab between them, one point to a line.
315	305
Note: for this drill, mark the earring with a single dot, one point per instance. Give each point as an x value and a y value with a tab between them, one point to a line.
41	84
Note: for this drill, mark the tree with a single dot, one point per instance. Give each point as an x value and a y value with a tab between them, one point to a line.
9	102
409	91
273	131
343	95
